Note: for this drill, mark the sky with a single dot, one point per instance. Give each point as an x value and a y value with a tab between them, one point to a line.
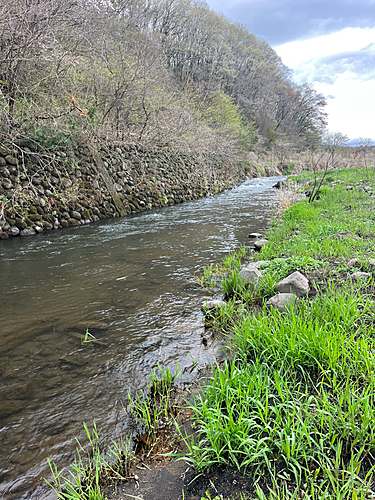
329	43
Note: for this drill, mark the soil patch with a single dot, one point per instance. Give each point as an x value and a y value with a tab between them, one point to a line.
178	480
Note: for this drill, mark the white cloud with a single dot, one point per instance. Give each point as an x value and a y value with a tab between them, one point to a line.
352	111
351	106
347	40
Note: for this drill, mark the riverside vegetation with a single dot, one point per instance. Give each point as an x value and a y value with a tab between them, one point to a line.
165	73
293	406
110	107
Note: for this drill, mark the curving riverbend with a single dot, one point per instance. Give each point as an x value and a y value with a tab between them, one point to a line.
129	281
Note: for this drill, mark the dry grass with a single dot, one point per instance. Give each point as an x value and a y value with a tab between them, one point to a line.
287	197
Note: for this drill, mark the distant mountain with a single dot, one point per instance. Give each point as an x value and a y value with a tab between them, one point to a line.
354	142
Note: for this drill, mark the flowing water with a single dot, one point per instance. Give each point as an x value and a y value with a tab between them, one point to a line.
130	281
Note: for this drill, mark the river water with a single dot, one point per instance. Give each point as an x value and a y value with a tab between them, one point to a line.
130	281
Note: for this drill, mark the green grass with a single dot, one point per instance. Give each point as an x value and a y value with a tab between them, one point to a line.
299	396
88	338
155	408
213	274
94	466
295	406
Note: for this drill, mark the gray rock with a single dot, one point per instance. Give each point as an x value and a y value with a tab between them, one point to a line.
260	263
76	215
66	182
37	181
213	304
354	263
11	160
7	184
295	283
6	227
359	275
38	229
255	236
250	273
27	232
14	231
282	300
259	244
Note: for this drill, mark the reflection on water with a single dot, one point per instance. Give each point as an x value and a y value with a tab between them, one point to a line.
129	281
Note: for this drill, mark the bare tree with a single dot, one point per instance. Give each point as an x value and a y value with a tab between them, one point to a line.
326	158
364	146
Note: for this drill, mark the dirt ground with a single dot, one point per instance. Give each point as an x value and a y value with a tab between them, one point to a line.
177	480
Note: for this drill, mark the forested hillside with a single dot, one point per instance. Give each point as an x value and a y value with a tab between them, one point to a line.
154	72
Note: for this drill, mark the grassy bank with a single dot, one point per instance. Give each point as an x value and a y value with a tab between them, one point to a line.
293	407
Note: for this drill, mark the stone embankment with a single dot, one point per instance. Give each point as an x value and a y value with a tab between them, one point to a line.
41	191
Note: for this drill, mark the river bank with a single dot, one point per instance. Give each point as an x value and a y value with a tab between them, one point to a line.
41	191
292	408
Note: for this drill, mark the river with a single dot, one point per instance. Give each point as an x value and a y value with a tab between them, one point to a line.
130	281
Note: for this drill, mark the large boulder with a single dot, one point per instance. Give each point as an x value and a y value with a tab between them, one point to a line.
295	283
250	273
282	300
